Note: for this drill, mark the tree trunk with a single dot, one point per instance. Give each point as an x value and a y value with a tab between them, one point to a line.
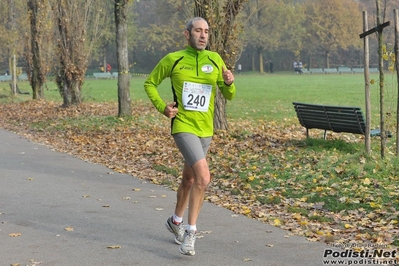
327	59
35	75
105	60
124	101
261	64
222	39
12	60
253	60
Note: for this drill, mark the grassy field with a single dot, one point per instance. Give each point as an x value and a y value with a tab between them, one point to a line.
263	166
267	97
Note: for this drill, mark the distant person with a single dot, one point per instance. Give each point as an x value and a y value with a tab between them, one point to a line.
300	68
296	67
239	68
109	68
271	66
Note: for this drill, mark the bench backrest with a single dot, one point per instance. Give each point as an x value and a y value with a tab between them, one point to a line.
102	75
345	69
316	70
333	118
332	70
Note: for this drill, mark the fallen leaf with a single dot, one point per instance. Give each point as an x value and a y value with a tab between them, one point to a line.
14	234
69	228
113	247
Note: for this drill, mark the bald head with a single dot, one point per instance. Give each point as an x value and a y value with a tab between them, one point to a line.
197	33
191	22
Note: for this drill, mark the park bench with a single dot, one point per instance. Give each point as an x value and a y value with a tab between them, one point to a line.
344	69
102	75
316	71
330	70
334	118
23	77
361	70
358	70
5	78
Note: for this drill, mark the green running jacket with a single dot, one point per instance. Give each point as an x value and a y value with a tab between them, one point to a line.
194	77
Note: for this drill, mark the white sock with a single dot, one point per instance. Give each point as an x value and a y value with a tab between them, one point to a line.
192	228
177	219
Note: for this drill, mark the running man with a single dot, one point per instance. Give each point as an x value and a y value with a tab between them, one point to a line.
195	74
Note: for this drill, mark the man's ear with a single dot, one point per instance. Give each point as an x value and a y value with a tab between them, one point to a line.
187	34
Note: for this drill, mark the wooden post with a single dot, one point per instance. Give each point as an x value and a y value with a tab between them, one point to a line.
365	35
367	83
382	80
397	74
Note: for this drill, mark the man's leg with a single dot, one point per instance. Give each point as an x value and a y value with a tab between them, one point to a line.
184	190
176	226
201	181
196	177
192	190
196	199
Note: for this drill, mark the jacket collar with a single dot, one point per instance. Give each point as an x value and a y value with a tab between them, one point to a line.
190	50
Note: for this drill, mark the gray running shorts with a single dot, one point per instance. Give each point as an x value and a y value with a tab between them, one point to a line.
192	147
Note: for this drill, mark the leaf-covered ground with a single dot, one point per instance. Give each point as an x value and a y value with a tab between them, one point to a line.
260	169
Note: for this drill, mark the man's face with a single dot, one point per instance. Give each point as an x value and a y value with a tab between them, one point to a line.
198	37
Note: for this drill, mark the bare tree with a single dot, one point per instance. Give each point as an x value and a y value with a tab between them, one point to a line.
78	28
221	16
124	101
12	52
38	46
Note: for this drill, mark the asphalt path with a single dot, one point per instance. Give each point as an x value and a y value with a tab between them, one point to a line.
56	209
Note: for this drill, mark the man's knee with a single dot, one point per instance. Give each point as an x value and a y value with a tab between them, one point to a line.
202	174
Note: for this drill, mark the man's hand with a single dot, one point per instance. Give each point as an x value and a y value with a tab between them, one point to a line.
170	110
227	76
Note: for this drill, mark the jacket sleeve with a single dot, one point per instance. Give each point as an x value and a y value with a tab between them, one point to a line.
229	92
157	75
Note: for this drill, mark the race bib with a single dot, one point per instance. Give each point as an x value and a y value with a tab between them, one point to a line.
196	97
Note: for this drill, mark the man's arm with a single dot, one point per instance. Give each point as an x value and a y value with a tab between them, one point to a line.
157	75
227	86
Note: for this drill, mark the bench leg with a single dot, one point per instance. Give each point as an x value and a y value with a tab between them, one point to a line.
325	134
307	133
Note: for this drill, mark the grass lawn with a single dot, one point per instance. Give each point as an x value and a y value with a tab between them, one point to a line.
267	97
263	167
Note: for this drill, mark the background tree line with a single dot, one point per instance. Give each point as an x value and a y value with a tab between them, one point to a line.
320	33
